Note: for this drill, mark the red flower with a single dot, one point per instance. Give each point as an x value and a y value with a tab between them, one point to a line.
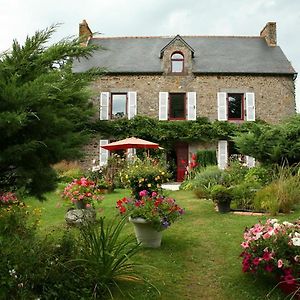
194	157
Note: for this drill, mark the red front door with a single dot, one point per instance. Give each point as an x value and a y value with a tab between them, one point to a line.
182	160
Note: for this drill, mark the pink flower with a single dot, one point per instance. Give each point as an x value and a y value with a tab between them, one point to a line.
88	205
245	245
143	193
256	261
266	235
267	256
154	194
269	268
279	263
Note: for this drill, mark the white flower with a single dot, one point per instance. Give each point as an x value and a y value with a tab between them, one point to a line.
95	168
296	241
297	234
286	223
273	221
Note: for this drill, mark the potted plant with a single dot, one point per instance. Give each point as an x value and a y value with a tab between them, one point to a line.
222	196
150	214
82	193
273	248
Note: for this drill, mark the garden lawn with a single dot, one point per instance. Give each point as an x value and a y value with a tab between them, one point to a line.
199	256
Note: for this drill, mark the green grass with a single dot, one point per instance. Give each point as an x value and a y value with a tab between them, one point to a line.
199	256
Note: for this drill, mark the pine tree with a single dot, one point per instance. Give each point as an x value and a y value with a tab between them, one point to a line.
44	110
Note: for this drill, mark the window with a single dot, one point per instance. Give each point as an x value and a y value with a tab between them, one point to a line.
177	61
235	106
177	106
118	106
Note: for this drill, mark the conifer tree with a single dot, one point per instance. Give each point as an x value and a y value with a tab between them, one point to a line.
44	110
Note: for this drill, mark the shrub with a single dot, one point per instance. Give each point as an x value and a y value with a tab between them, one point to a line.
235	173
67	170
281	195
144	174
203	180
243	194
260	175
220	194
62	266
206	158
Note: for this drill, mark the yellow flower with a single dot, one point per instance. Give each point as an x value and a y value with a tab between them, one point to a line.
162	173
126	176
149	185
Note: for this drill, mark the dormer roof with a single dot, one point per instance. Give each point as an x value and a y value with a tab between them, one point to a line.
176	38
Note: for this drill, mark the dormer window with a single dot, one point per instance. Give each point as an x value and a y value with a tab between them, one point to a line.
177	61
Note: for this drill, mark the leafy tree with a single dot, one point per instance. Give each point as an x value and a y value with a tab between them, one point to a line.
270	144
44	110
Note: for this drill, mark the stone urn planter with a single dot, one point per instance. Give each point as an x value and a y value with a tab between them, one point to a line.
77	217
223	207
145	233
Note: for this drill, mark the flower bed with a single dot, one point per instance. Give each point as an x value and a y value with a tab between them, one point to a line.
273	247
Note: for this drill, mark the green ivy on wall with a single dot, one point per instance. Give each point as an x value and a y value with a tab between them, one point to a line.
167	133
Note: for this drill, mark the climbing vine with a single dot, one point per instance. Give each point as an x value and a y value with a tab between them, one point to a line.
167	133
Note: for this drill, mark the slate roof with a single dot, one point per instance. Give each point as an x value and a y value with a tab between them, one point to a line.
240	55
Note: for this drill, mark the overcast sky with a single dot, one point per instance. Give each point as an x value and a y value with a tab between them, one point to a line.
19	18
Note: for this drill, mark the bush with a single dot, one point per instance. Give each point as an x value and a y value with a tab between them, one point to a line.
206	158
144	174
67	171
243	194
62	266
235	173
203	180
220	194
281	195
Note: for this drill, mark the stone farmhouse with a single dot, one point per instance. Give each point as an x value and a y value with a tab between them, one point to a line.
228	78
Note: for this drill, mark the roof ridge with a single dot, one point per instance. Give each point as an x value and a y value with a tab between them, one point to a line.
173	36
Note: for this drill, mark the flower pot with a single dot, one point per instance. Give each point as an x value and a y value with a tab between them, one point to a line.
145	233
80	204
223	207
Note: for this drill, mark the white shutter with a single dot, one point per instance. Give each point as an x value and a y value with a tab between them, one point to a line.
191	106
163	105
250	161
131	153
222	154
250	107
132	102
222	106
104	105
103	153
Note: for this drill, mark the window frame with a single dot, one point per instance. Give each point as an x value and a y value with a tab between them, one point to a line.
111	105
175	60
242	118
184	106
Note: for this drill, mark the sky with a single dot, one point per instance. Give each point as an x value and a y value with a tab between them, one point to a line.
19	18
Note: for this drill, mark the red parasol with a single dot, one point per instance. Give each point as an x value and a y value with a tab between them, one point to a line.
131	142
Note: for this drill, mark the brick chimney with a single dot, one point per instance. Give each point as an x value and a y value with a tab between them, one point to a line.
269	33
85	32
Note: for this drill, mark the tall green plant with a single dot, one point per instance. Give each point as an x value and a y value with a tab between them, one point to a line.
282	194
206	157
106	256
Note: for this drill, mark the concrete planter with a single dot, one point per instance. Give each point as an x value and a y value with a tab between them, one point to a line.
145	234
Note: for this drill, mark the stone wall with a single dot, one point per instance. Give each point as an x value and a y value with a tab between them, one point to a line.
274	95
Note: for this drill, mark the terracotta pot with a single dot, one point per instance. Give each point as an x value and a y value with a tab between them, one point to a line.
145	233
